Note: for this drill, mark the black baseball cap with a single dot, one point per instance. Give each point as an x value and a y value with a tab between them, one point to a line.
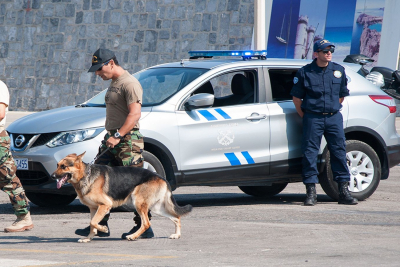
321	44
100	57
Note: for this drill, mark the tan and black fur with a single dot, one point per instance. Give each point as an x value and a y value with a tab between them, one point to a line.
104	187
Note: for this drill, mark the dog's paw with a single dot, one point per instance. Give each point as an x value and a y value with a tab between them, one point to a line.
84	240
103	228
174	236
131	237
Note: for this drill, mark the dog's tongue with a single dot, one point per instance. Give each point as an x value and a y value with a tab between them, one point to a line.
61	181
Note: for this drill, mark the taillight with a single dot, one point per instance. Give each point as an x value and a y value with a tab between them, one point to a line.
386	101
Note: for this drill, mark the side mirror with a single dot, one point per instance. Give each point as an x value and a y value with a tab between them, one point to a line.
202	100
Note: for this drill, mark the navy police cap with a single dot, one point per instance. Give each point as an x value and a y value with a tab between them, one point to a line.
322	44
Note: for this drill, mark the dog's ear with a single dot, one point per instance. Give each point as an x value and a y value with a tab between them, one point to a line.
79	158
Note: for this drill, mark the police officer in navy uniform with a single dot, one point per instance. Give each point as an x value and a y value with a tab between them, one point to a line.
318	92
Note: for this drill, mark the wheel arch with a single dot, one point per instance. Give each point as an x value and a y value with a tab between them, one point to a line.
369	137
166	158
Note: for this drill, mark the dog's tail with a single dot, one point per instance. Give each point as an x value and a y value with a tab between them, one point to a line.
179	210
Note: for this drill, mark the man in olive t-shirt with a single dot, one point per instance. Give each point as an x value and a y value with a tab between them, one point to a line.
123	109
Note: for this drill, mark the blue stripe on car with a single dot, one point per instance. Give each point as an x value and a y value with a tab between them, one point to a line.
247	156
222	113
232	159
206	114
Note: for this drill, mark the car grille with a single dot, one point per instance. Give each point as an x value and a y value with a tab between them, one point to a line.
36	174
44	138
32	177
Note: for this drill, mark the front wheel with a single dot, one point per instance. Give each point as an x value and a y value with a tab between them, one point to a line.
364	167
263	191
152	163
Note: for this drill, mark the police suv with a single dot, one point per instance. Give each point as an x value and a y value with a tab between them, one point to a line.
220	118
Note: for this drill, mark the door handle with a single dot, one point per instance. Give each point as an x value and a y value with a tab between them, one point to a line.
256	116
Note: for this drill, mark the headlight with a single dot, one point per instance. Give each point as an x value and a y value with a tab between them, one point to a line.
66	138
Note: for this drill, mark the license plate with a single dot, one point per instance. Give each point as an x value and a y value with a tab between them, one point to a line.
22	163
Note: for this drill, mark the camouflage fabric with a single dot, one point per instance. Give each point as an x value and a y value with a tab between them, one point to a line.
128	152
9	182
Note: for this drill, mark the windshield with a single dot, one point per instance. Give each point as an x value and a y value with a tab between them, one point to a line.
161	83
158	84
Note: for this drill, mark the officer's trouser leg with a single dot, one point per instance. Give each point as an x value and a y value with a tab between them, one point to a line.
313	128
335	138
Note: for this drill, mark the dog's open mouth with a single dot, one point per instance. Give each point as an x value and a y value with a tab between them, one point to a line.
63	180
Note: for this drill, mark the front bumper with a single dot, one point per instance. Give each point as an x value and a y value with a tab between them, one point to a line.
38	180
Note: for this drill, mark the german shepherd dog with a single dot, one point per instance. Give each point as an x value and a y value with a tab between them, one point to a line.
102	187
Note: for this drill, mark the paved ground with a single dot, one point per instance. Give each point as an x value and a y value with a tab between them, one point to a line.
226	228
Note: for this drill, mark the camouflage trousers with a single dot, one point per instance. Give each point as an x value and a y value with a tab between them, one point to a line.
128	152
9	182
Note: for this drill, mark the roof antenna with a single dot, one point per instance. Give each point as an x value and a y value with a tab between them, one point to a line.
182	64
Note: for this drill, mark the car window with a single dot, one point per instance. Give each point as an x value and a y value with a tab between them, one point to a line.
159	84
281	83
233	88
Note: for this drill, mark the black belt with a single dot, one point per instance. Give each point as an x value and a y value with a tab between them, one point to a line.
321	113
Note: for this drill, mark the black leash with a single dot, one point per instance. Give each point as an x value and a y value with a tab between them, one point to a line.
103	142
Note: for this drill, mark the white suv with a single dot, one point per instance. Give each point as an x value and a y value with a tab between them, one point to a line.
216	122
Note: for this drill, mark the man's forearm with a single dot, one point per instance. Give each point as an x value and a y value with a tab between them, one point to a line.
129	124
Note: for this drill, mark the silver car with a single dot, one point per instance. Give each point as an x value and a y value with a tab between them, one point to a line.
216	122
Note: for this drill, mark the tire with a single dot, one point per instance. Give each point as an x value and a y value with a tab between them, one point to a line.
151	163
263	191
49	200
365	171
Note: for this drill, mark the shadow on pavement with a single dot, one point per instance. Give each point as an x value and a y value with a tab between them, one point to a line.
196	200
230	199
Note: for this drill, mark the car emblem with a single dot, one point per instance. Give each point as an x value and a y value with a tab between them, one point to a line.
19	141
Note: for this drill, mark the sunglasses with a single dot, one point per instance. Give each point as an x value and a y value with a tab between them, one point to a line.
325	51
105	64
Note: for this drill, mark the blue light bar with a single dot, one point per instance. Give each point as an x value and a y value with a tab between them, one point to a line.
246	54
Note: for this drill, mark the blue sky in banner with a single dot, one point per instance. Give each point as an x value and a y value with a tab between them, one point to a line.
339	26
283	24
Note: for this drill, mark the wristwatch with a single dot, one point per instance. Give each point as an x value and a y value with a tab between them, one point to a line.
117	135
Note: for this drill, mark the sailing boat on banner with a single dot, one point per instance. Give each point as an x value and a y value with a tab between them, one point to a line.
280	38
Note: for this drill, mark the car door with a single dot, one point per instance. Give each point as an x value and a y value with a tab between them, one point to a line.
285	123
232	136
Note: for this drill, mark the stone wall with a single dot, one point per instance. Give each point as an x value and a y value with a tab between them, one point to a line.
46	45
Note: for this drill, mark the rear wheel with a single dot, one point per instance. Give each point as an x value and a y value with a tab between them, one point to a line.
364	167
263	191
49	200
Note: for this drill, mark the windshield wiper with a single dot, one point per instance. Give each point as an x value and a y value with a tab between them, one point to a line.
82	105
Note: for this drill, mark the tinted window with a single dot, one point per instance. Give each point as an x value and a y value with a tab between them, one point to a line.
281	83
233	88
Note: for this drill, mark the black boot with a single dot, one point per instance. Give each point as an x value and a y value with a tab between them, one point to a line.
86	231
345	196
147	234
311	198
